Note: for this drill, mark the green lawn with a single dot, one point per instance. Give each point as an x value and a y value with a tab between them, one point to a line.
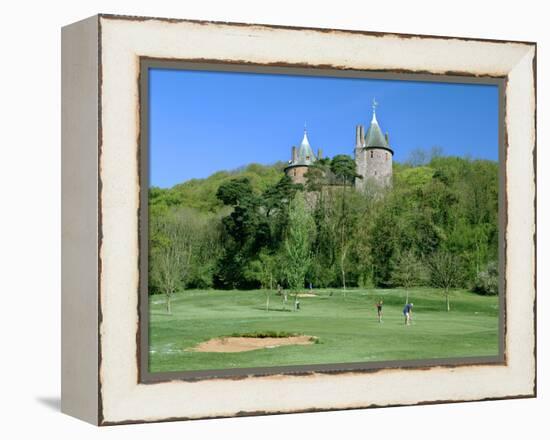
347	328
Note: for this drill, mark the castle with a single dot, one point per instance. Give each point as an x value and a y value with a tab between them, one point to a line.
373	156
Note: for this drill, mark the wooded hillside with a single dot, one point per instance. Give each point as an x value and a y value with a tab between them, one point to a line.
232	230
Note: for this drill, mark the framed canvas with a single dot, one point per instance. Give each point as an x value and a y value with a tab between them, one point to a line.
242	236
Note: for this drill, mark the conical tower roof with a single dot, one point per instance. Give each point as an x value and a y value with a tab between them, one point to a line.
374	137
305	152
303	155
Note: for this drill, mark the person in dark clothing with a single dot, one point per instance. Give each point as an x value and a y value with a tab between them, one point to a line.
379	306
407	312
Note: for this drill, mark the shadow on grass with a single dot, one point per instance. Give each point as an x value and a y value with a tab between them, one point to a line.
160	314
272	309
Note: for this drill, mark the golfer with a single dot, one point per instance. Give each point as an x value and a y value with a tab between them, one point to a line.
379	305
407	311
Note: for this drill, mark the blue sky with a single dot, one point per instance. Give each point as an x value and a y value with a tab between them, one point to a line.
202	122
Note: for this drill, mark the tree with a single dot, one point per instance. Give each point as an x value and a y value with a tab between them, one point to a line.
320	181
445	272
301	230
171	259
207	251
264	268
235	191
420	156
318	175
385	240
244	233
408	272
344	168
486	282
275	204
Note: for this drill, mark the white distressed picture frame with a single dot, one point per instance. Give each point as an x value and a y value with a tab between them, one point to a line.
101	202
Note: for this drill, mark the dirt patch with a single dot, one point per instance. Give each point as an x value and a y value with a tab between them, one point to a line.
234	344
306	295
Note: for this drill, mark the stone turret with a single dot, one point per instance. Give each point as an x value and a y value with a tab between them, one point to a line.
302	158
373	155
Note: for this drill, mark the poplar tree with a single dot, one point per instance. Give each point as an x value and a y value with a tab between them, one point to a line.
301	230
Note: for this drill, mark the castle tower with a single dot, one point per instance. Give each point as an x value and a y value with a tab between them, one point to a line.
373	155
302	158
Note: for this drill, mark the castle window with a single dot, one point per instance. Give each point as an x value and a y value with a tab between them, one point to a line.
387	156
307	157
372	154
294	173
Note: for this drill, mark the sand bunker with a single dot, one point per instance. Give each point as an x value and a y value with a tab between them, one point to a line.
306	295
234	344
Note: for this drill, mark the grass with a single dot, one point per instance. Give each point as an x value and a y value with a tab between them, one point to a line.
346	329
